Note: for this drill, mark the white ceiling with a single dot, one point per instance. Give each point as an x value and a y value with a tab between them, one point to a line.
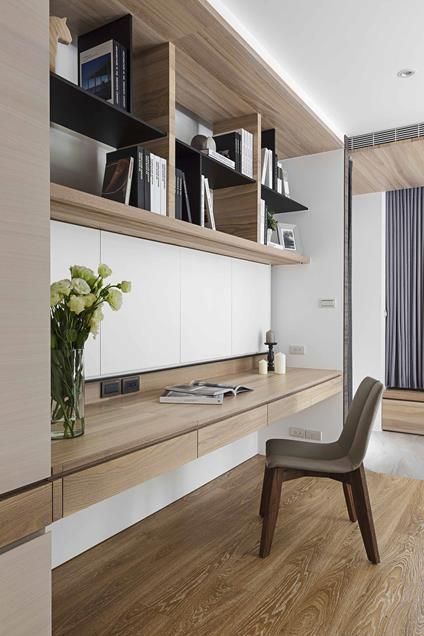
341	56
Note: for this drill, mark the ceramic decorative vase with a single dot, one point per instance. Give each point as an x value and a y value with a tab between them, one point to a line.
67	393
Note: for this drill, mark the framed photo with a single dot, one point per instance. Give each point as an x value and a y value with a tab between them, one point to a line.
289	237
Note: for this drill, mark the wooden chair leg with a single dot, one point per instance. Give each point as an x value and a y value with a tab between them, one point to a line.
364	513
271	514
350	504
266	489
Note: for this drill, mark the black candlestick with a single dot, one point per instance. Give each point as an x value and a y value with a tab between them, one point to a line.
270	346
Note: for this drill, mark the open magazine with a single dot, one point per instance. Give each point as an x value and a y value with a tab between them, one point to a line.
199	392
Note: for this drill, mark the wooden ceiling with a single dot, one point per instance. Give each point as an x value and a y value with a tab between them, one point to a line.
200	33
388	167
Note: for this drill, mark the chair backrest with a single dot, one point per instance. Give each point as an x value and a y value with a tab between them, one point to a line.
357	428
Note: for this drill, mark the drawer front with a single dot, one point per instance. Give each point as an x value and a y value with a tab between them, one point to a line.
303	400
91	485
222	433
25	513
403	416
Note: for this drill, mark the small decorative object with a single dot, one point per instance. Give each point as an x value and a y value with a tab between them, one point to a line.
289	237
270	343
280	363
202	143
76	311
58	32
271	224
263	367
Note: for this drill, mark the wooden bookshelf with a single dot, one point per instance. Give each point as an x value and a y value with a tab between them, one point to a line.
72	206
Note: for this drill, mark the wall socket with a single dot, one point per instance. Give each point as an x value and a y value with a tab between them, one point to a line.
297	350
302	433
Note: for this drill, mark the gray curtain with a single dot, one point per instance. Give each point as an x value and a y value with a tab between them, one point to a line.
405	288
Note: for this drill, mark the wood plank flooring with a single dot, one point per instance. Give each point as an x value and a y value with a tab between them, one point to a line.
193	568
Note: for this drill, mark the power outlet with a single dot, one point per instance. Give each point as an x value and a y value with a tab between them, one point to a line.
314	435
131	385
295	431
297	350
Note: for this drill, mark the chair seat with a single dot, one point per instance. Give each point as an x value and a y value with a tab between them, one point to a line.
297	455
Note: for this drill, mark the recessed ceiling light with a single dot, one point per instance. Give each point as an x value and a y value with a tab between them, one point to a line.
404	73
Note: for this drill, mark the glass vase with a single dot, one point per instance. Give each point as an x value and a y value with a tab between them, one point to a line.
67	393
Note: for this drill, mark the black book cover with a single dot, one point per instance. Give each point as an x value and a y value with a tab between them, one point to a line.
178	193
186	211
229	145
147	179
274	171
117	179
124	77
137	186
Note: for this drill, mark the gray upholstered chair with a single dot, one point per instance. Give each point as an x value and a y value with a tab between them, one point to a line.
341	460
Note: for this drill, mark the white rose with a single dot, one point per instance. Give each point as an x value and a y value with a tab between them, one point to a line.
80	286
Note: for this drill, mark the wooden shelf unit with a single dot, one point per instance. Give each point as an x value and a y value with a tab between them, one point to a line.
166	76
72	206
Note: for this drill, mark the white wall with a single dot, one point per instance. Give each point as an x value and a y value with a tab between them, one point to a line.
368	288
317	181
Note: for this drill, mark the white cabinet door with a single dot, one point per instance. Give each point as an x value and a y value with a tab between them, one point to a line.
75	245
145	333
251	306
205	306
25	589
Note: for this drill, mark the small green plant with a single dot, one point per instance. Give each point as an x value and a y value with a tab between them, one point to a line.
271	222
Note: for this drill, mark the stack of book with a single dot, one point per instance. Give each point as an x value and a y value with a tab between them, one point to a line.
220	157
198	392
237	145
274	175
143	174
103	71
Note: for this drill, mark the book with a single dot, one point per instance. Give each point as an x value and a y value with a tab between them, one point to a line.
186	209
264	164
163	170
147	179
286	189
267	167
155	183
178	194
137	194
208	389
117	180
216	155
202	201
246	149
174	397
99	71
229	145
209	215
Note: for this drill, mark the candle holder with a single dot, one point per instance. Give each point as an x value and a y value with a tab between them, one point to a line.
270	346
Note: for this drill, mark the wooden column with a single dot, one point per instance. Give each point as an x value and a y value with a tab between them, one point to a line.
237	209
154	101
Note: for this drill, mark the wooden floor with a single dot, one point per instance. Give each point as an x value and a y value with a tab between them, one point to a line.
193	569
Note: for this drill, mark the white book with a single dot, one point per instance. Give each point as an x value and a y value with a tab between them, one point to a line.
264	164
262	223
163	186
202	202
246	149
209	205
155	185
286	189
270	168
216	155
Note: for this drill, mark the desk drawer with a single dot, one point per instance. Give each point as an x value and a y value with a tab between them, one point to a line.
303	400
222	433
403	416
25	513
88	486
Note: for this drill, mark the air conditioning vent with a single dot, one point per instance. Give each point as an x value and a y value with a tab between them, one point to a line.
386	136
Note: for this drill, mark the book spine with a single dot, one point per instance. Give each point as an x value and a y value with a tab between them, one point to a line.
264	165
202	201
124	74
157	184
163	186
115	73
180	195
129	182
238	152
186	202
141	185
274	171
147	182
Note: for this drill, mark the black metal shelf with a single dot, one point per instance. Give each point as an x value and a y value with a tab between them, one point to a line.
218	174
78	110
279	203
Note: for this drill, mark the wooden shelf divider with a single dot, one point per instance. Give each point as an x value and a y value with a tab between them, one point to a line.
80	208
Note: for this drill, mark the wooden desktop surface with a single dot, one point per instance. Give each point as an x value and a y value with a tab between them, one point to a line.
121	425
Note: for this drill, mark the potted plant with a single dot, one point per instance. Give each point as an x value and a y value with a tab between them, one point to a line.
271	224
76	310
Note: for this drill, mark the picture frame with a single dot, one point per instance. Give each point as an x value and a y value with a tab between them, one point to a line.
289	237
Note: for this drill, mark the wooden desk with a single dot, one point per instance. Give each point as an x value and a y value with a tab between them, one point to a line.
134	438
